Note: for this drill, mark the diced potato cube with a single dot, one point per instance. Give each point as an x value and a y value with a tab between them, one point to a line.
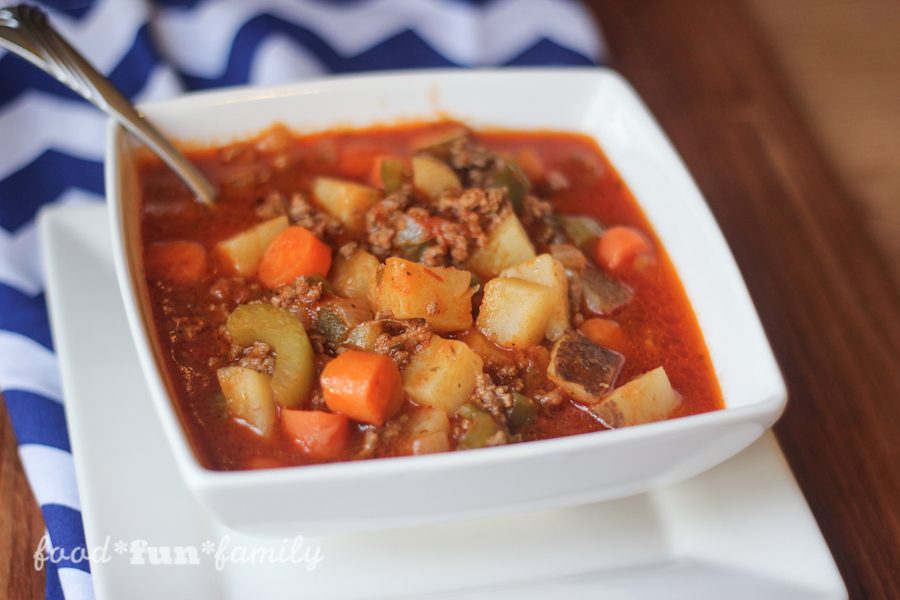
441	296
514	312
486	349
546	270
354	277
364	335
582	369
248	397
647	398
442	375
433	177
243	251
427	431
346	200
507	245
430	443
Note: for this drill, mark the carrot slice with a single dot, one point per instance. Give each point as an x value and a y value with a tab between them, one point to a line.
356	157
532	164
320	435
606	333
294	252
177	261
363	385
619	246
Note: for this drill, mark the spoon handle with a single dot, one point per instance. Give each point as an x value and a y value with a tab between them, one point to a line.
26	31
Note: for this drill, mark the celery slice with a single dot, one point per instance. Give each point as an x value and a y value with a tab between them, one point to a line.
294	376
521	413
516	183
581	231
393	173
482	427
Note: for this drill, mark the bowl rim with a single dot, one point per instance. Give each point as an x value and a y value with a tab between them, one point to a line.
766	410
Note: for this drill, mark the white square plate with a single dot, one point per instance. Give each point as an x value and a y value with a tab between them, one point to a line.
519	477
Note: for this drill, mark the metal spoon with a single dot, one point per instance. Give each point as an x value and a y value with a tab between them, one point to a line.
26	31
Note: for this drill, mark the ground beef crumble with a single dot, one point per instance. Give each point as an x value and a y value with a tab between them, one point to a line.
474	162
257	356
509	374
495	399
319	342
381	222
576	296
470	215
537	218
535	210
402	338
187	328
369	442
234	290
297	296
449	247
271	206
348	249
300	212
378	439
453	227
550	398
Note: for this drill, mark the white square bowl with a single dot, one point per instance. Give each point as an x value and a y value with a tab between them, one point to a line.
386	493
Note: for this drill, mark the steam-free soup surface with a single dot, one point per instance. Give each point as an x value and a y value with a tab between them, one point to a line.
409	290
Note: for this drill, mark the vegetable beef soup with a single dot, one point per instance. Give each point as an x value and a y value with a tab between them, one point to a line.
412	289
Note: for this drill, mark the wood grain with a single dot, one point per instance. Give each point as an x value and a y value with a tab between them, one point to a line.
21	525
820	285
842	61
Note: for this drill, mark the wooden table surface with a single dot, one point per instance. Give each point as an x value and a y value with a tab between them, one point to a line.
841	59
820	283
821	286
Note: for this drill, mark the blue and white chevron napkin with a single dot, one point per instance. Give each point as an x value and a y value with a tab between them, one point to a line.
52	145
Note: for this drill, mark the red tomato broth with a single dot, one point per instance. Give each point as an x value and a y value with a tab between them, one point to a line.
660	314
659	323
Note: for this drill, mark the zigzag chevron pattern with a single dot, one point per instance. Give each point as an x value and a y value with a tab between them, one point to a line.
28	366
114	36
20	265
463	34
52	145
31	121
46	467
279	59
94	24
